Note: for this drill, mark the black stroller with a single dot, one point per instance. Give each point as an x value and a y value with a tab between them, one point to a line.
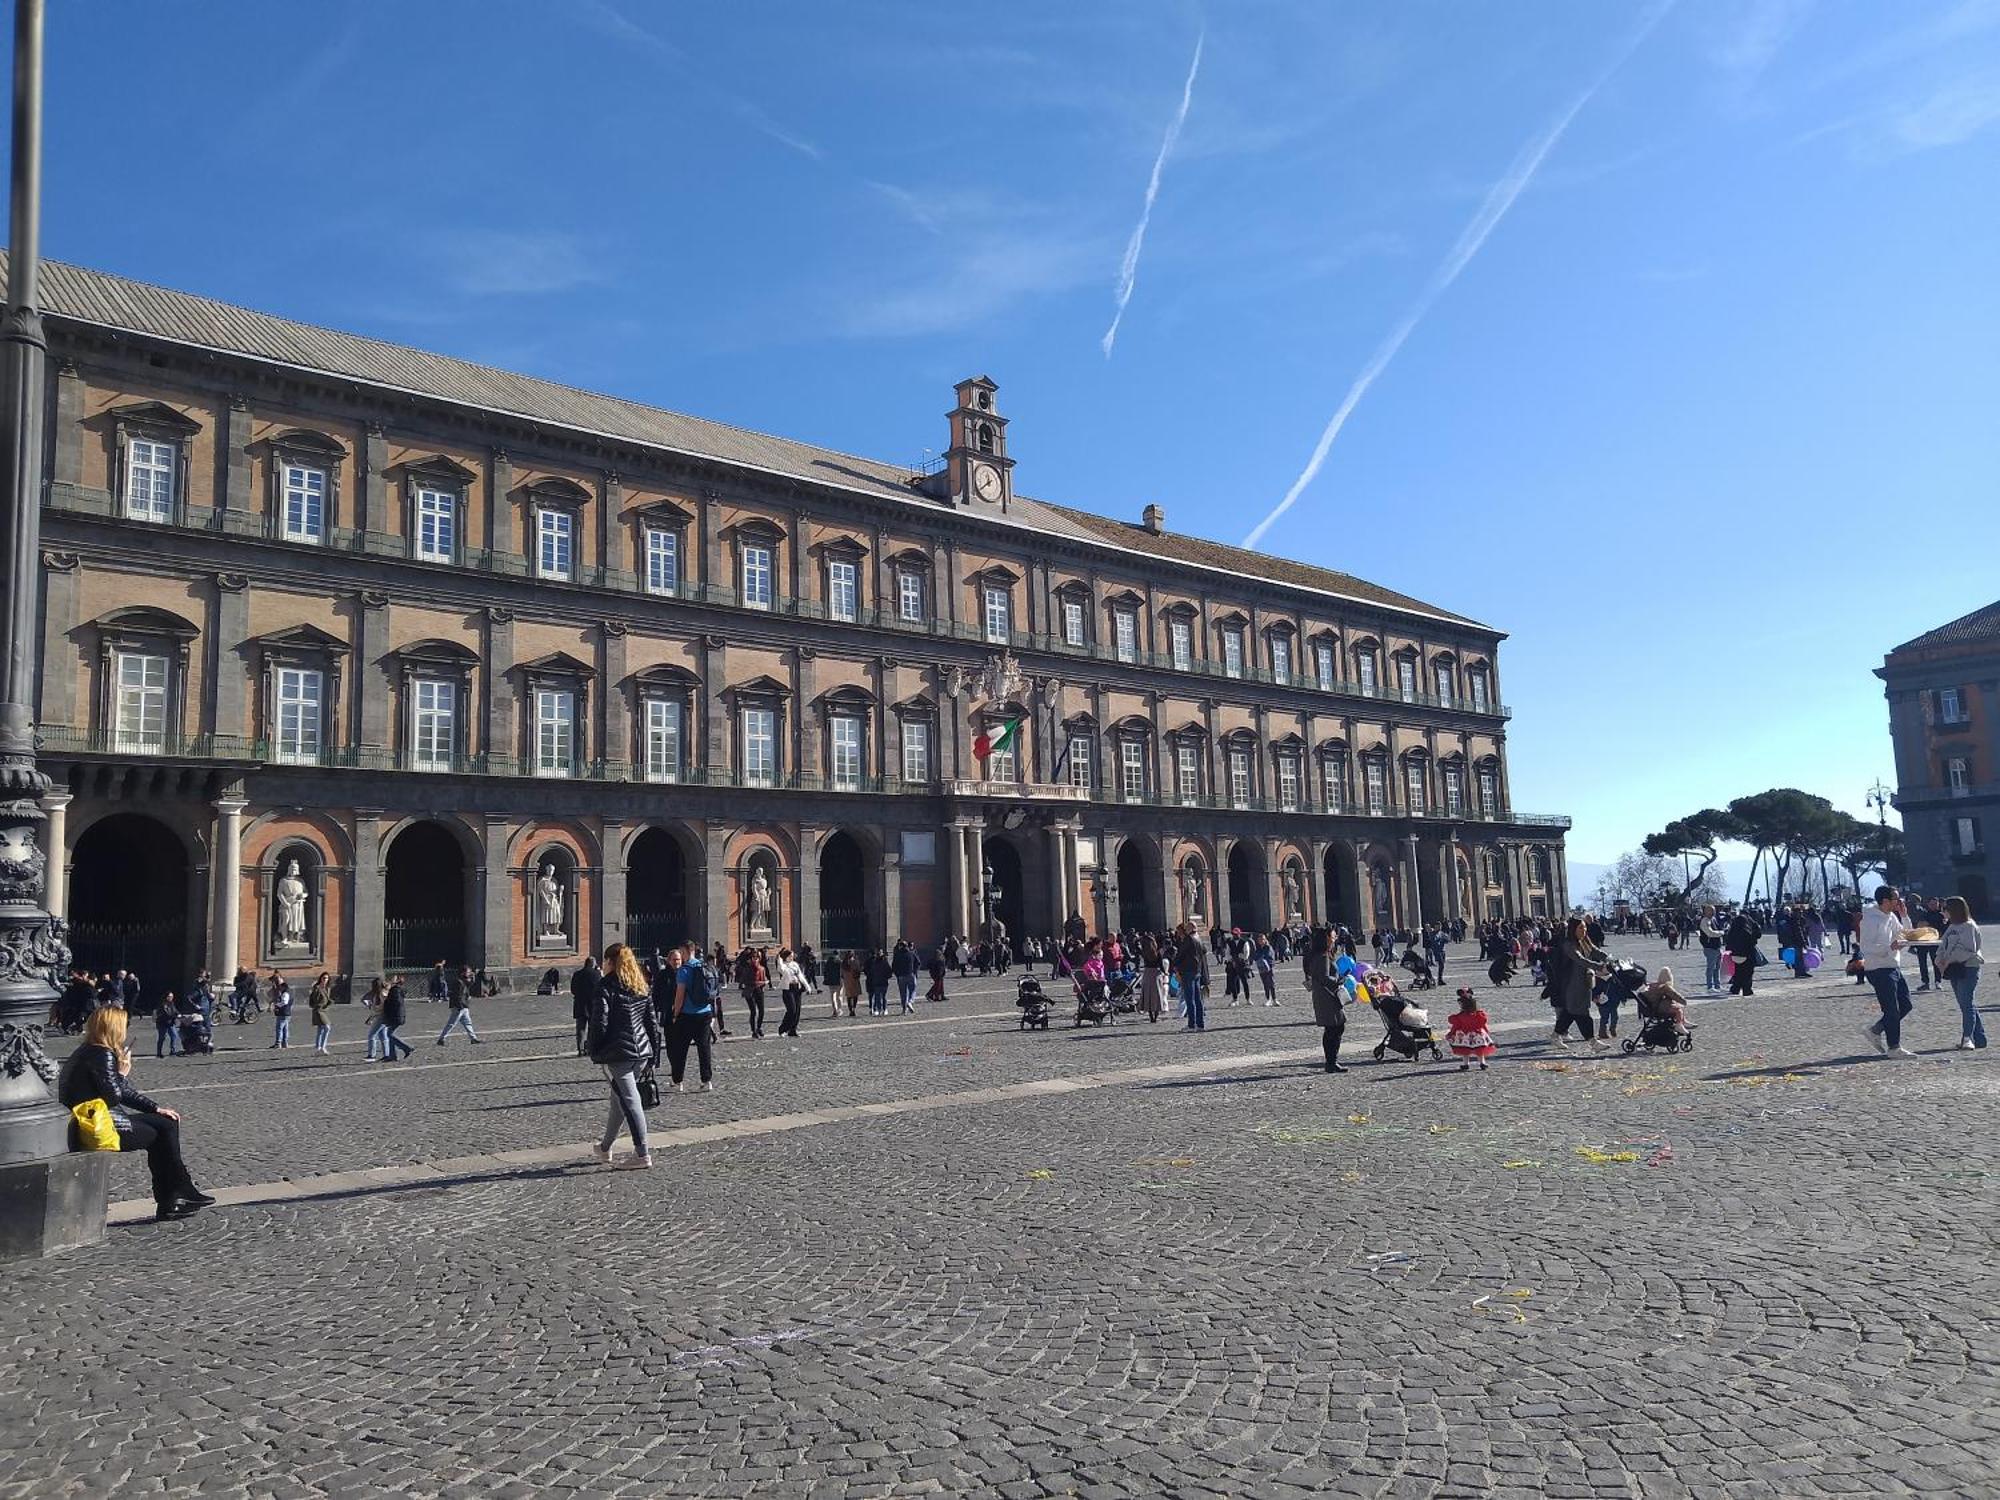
1658	1030
1420	969
1035	1006
1406	1030
197	1033
1123	993
1093	1002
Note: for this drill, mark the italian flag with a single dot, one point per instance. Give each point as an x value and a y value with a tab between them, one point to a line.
988	741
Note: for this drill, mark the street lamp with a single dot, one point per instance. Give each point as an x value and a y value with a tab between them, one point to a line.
1878	798
55	1198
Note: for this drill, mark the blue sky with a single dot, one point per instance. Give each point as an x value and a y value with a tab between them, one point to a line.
1696	395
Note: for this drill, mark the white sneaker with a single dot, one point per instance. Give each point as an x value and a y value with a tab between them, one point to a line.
1881	1042
1601	1044
1269	1003
1902	1052
1966	1044
634	1163
708	1088
603	1155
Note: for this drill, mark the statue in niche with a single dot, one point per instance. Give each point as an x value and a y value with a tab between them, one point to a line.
760	900
1190	893
1291	879
550	921
290	896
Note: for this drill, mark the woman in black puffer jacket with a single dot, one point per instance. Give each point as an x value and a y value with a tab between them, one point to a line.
97	1070
624	1039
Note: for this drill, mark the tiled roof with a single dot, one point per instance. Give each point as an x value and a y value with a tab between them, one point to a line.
1982	625
87	296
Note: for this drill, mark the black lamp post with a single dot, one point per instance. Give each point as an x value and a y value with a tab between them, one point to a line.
989	897
54	1198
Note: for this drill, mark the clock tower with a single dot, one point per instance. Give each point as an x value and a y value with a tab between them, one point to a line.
977	468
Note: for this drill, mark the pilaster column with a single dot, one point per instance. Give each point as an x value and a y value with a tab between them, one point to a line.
1059	878
953	861
805	917
1171	914
228	680
228	864
1274	888
57	680
1414	917
610	504
371	491
68	467
715	889
1318	899
498	534
371	684
500	739
611	898
496	887
56	897
365	904
614	705
892	895
975	878
235	468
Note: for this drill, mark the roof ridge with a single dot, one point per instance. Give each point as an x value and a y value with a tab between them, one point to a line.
1942	635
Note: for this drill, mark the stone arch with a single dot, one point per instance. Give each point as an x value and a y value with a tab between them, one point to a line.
430	866
1345	903
849	865
1249	886
1137	868
134	900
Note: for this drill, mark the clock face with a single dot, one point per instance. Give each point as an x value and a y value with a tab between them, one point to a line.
986	481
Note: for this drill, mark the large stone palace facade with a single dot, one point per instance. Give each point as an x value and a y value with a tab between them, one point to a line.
356	657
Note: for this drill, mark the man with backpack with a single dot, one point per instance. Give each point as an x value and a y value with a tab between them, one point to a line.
903	964
695	987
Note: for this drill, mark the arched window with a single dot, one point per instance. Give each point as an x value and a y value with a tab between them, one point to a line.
985	437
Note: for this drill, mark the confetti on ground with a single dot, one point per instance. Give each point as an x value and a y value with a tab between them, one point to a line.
1359	1119
1165	1161
1479	1305
1600	1158
1443	1129
1766	1080
1391	1257
1515	1166
1362	1177
1552	1067
1293	1137
1520	1293
1040	1174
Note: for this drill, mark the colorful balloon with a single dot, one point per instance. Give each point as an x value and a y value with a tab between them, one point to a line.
1788	956
1814	959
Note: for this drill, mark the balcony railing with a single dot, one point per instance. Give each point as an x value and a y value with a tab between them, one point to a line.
1937	796
888	616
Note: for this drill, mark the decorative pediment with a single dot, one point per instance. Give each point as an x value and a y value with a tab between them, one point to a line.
765	686
1081	723
912	558
754	529
1234	620
1180	609
1333	745
1293	742
1192	729
439	468
436	655
156	415
665	677
305	442
1125	599
1072	589
1281	627
662	514
848	695
556	664
299	640
843	548
997	574
144	620
916	705
554	489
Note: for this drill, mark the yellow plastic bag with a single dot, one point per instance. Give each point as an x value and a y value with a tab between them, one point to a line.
94	1130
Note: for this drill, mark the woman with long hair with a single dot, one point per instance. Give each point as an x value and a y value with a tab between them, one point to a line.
1578	966
100	1069
1152	977
625	1041
1958	962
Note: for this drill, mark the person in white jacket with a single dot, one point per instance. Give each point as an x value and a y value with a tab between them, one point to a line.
791	982
1882	928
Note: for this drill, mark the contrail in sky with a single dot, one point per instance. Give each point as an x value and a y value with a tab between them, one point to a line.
1499	198
1129	271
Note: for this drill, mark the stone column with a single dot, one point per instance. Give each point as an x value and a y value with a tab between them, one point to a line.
715	888
611	884
496	900
1274	887
1318	899
365	898
499	487
371	491
614	705
1221	910
610	503
500	740
68	467
1170	886
892	894
715	682
228	865
57	680
1059	878
953	861
1414	917
235	487
371	685
975	878
56	805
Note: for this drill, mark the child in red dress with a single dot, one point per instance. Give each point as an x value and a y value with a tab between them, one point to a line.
1467	1034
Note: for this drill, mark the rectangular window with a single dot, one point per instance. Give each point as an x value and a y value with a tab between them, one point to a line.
1002	765
1072	622
555	732
1377	778
1950	711
297	712
304	503
1180	636
437	525
1967	830
1477	683
663	561
1232	653
1288	783
1364	673
843	591
555	538
1333	783
1187	774
1132	770
149	480
1489	794
1454	791
1125	632
1281	660
910	596
663	739
1443	675
760	746
999	616
1406	679
140	715
1955	775
1413	778
1079	761
1239	778
433	716
757	577
916	751
845	735
1323	666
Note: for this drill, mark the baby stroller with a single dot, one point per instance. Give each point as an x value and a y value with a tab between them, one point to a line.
1657	1028
1123	992
1501	970
1420	969
1093	1002
1406	1030
1034	1004
197	1033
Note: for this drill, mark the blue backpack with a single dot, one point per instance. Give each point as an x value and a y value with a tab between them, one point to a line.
700	987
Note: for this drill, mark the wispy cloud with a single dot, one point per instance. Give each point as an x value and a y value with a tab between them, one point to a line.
1520	172
1128	271
1952	113
1761	29
510	263
982	278
606	18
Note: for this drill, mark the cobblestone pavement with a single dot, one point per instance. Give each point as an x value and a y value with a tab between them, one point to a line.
1762	1268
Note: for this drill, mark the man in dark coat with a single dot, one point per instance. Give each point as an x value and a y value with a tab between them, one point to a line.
583	986
1328	998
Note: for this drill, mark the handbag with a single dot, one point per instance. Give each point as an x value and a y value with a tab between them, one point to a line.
95	1130
649	1089
1856	967
1758	958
